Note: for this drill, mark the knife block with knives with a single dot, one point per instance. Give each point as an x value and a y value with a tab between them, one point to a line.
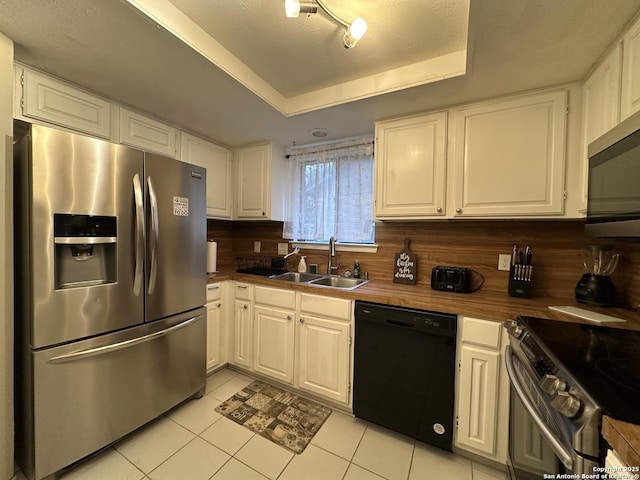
521	273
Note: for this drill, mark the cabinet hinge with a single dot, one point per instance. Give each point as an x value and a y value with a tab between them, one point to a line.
349	389
564	195
22	79
567	109
350	341
459	365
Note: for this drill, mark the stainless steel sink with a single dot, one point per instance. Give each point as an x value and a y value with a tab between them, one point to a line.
296	277
319	280
339	282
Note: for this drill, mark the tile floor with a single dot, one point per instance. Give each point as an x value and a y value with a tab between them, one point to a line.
196	443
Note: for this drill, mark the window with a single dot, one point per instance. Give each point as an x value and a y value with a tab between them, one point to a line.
331	193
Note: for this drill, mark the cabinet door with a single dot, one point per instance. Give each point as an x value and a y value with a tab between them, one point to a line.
323	357
242	333
214	320
509	156
218	162
410	167
273	343
478	398
59	103
146	133
631	72
601	112
254	177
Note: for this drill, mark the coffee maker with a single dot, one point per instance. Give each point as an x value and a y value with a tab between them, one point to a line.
595	287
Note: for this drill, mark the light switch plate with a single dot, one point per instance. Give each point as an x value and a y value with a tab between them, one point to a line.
256	247
504	262
283	248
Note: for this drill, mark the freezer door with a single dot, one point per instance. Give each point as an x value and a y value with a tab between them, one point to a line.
77	239
88	394
176	236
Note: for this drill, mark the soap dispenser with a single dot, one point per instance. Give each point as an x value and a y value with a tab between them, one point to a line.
302	266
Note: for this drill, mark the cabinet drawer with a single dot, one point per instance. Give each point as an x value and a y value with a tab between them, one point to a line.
276	297
213	292
326	306
243	291
481	332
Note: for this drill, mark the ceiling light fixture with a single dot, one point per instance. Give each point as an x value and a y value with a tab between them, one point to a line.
353	31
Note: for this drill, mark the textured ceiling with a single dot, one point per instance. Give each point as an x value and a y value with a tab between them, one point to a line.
114	49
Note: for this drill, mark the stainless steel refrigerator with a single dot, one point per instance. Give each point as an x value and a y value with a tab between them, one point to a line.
111	278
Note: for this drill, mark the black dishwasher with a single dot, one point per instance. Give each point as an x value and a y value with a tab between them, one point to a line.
404	371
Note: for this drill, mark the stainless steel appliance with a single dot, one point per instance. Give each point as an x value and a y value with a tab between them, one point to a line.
110	282
404	371
613	205
564	377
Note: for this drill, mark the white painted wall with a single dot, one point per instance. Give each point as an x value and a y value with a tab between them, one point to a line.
6	258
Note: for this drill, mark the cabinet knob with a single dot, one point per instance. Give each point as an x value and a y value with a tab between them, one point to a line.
301	320
288	317
213	287
245	306
219	305
439	209
458	210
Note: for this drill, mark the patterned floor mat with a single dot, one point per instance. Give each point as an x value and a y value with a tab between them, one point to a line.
284	418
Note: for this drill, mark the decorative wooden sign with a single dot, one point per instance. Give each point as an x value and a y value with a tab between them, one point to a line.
405	269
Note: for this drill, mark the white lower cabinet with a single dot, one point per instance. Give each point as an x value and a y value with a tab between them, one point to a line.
242	325
324	347
299	339
273	333
216	344
482	389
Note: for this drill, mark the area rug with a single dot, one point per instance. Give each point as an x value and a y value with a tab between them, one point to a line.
286	419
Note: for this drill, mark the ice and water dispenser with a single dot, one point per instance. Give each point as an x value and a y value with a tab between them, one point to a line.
85	250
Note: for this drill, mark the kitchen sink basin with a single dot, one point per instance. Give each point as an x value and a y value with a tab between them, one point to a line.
339	282
319	280
296	277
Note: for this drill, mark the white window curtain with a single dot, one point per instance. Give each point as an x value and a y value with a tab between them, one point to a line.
330	192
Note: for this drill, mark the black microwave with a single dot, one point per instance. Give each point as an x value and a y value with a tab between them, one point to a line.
613	204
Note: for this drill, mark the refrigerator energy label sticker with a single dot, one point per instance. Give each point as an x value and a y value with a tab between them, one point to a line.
181	206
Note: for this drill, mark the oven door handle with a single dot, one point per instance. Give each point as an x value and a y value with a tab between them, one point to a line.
563	454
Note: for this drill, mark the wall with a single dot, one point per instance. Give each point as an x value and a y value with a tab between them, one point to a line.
476	244
6	258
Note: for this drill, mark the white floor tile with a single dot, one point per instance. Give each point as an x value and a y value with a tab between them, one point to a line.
108	465
227	435
431	463
484	472
321	464
340	434
217	379
235	470
198	460
385	453
230	387
150	446
196	415
264	456
358	473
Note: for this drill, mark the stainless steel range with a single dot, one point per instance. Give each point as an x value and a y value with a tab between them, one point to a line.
564	377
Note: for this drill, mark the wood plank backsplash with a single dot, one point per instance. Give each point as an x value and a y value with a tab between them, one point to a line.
476	244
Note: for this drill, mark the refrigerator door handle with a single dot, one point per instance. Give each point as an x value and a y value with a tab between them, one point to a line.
137	194
153	200
104	349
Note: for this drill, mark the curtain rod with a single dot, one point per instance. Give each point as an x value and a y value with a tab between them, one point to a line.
343	147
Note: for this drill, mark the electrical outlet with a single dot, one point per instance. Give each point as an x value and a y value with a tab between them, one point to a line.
283	248
256	247
504	262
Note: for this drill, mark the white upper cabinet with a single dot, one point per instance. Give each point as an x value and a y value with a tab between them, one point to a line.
260	180
631	71
410	167
219	164
601	112
47	99
147	133
508	156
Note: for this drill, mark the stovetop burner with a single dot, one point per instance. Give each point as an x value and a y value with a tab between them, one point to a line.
604	360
